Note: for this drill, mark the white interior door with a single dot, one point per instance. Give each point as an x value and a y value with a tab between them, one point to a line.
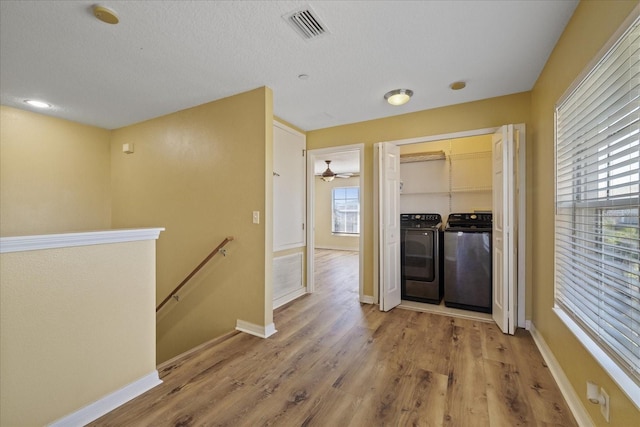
389	242
504	217
289	192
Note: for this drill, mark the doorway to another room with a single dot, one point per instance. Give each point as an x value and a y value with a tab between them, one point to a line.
334	235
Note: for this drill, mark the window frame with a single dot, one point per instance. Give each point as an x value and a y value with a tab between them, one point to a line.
333	211
626	380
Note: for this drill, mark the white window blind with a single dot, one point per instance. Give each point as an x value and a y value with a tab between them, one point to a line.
597	240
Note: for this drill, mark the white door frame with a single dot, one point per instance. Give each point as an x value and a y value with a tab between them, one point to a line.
312	155
521	202
521	147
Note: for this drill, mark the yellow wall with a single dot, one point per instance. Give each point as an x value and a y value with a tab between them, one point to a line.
200	173
323	236
54	175
487	113
76	324
592	24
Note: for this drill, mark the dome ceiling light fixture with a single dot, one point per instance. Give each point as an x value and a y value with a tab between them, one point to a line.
398	96
105	14
457	85
37	104
328	175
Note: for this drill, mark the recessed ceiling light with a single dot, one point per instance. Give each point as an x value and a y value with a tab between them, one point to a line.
105	14
37	104
303	76
398	96
457	85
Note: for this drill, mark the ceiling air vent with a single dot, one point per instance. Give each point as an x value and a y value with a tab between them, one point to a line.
306	23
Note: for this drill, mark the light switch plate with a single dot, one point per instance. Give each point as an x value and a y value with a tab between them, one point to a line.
256	217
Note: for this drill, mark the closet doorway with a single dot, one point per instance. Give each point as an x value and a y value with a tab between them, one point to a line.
505	167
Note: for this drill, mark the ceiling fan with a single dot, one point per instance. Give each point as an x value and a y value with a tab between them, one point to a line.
329	175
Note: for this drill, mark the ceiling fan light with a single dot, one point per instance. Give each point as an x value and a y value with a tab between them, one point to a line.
328	175
398	96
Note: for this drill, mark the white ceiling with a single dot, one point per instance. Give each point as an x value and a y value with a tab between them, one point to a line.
165	56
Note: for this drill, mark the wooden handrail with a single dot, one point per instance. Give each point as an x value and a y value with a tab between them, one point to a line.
195	270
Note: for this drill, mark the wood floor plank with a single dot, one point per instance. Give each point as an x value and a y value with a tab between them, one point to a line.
335	408
436	351
426	401
495	344
506	399
336	362
545	398
379	404
466	391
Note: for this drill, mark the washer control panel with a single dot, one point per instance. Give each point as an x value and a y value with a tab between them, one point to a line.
420	220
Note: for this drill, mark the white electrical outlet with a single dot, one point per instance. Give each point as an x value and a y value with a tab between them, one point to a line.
256	217
598	397
604	404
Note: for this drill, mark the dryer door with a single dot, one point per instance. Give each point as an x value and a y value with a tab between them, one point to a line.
418	255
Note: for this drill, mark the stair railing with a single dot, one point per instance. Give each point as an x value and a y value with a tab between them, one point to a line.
174	293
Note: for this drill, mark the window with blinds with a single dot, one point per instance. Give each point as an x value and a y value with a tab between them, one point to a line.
597	242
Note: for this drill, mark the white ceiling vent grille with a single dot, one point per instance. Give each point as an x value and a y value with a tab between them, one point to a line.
306	23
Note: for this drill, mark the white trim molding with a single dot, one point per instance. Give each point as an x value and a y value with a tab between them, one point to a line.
573	400
109	402
197	349
288	297
339	248
54	241
454	135
257	330
312	155
368	299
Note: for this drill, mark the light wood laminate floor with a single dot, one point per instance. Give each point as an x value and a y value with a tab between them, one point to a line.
336	362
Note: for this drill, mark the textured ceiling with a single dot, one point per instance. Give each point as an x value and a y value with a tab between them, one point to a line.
165	56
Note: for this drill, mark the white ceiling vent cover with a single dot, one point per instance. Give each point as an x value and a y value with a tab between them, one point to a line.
306	23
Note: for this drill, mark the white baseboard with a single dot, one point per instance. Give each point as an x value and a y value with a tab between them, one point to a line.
257	330
109	402
573	400
527	325
367	299
196	349
339	248
288	297
446	311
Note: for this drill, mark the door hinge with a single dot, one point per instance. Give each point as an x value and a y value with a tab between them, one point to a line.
303	152
303	225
